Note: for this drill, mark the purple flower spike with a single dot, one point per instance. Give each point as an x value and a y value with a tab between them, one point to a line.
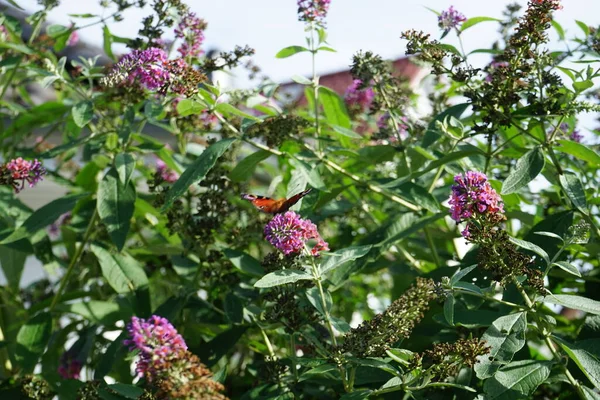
313	10
288	233
358	100
450	19
473	196
158	342
191	30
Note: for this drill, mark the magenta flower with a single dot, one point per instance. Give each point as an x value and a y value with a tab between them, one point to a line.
191	30
450	19
69	367
18	171
289	233
167	174
313	10
73	39
358	100
473	196
158	342
147	66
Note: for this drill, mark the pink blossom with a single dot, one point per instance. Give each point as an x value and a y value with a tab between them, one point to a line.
288	233
450	19
18	171
473	196
358	100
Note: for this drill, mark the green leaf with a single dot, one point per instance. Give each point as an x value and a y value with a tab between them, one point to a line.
584	27
245	168
290	51
325	48
32	340
197	171
114	352
527	168
228	109
401	356
449	309
582	85
346	132
505	337
314	297
244	262
115	206
579	150
570	268
359	394
127	391
282	277
461	273
188	107
586	360
43	217
83	112
334	108
301	80
44	114
517	380
125	165
573	301
56	30
559	29
234	308
574	190
474	21
532	247
334	260
13	263
96	311
122	272
108	41
417	194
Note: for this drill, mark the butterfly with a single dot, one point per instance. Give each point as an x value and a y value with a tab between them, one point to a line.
272	206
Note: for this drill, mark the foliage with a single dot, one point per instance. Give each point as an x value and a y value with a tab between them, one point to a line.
440	251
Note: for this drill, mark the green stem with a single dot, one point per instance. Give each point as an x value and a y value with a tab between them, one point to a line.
481	296
315	85
74	260
267	342
434	253
293	356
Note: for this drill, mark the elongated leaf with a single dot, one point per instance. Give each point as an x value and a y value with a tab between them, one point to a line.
505	337
517	380
32	340
461	273
282	277
108	41
527	168
198	170
125	164
474	21
314	297
346	132
43	217
334	108
188	107
579	150
588	361
127	391
244	262
574	190
245	168
12	262
570	268
340	257
234	308
228	109
290	51
530	246
96	311
83	113
575	302
122	272
116	203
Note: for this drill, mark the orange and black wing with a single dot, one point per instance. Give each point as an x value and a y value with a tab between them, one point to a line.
293	200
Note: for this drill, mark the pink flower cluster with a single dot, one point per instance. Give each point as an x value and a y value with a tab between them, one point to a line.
472	195
450	19
18	171
69	367
358	100
191	30
313	10
148	66
167	174
289	233
158	342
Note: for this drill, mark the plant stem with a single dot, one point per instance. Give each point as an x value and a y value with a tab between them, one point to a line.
434	253
315	85
267	341
481	296
293	356
74	260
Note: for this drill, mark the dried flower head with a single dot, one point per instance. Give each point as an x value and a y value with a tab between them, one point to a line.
18	171
450	19
191	31
274	130
313	11
289	233
372	338
358	98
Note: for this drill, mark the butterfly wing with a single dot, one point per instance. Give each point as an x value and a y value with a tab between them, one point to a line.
262	203
293	200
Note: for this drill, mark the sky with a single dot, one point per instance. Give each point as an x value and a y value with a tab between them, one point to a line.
270	25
